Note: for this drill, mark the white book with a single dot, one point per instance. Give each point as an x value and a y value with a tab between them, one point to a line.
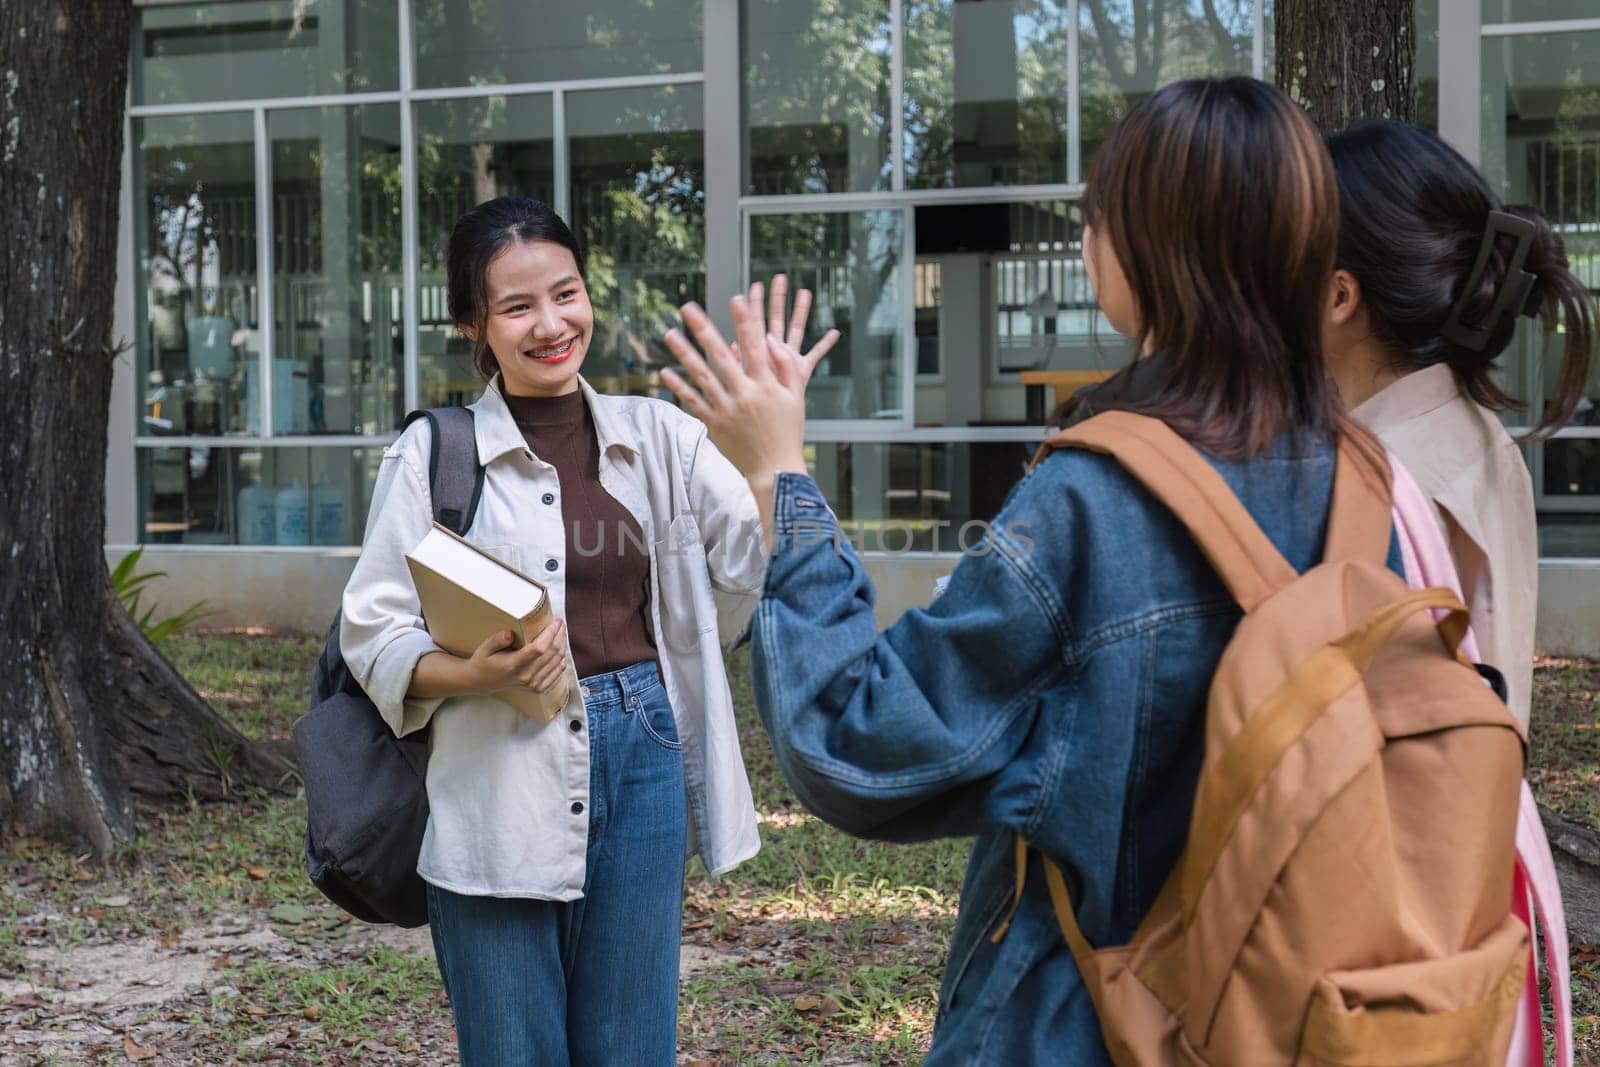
476	572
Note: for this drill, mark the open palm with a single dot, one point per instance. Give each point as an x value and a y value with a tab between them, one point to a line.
750	394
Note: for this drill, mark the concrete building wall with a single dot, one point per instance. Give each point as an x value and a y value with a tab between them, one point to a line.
293	589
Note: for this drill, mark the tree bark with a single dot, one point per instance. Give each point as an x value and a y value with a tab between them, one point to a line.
1347	61
91	713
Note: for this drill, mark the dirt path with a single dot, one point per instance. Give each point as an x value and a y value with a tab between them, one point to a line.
170	1000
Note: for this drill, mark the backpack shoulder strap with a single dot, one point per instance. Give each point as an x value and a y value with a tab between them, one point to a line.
455	477
1168	466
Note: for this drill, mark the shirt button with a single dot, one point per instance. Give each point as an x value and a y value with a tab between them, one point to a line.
550	564
576	726
549	498
577	807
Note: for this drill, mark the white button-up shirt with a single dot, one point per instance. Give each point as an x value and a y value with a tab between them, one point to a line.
501	787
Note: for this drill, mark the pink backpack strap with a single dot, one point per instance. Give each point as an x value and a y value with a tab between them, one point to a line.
1537	868
1426	556
1423	548
1527	1032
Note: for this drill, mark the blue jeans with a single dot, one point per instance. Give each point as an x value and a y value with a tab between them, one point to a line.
592	980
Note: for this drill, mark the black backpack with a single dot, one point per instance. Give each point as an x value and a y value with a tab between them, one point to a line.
366	798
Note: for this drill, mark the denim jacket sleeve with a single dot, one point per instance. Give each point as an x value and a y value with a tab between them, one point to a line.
911	733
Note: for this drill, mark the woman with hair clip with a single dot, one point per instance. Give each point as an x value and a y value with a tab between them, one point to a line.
1056	692
554	850
1434	273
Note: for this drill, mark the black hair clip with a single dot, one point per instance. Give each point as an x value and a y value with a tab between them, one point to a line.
1517	291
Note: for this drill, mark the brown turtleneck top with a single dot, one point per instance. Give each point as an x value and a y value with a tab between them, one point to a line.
608	567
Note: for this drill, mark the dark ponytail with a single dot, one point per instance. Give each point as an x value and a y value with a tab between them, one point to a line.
1561	297
1413	215
478	237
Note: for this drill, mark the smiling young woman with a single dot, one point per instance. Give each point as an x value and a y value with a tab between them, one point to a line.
554	851
526	310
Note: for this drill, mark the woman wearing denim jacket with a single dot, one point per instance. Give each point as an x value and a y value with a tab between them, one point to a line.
1057	688
554	850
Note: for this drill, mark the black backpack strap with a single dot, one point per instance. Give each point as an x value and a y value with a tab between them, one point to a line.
455	477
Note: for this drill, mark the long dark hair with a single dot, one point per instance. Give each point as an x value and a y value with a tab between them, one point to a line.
1414	214
482	234
1218	197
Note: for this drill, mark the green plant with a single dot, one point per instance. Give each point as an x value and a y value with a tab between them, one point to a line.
128	584
218	754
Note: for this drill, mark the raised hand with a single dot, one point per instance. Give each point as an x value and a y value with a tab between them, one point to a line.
777	297
752	400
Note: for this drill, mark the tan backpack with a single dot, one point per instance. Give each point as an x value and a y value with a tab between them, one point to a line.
1344	896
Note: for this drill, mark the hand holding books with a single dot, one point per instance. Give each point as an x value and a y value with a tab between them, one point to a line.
496	619
502	662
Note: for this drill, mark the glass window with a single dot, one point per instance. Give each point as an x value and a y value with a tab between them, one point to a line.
256	496
1541	146
1122	58
816	95
1496	11
258	49
638	208
851	262
1569	536
1425	78
917	496
496	42
195	221
468	151
1013	300
986	92
337	282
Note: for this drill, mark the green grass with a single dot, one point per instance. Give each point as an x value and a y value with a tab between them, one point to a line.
1564	769
260	681
822	948
1564	757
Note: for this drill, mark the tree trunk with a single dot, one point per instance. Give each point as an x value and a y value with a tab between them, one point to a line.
1349	60
91	713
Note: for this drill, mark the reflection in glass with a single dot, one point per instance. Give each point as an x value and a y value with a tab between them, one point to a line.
816	95
1570	534
259	49
1541	146
503	42
638	208
1425	76
337	283
986	93
468	151
195	211
1495	11
900	497
256	496
1129	48
851	262
1012	297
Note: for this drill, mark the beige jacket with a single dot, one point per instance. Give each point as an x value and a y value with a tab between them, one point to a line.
501	787
1476	476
